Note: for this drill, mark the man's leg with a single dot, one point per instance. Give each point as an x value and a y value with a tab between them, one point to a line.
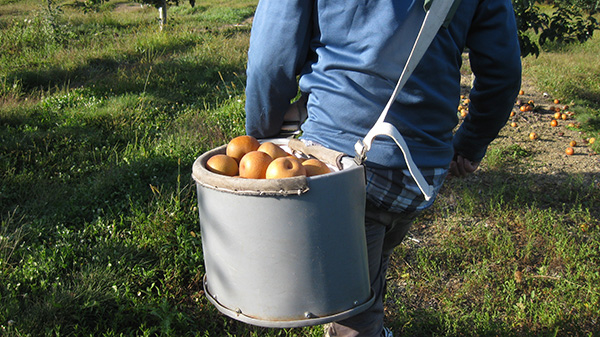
384	231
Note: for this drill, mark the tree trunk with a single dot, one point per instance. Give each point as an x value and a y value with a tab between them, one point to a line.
162	13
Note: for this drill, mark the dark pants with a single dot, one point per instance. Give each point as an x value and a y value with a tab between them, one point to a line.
384	230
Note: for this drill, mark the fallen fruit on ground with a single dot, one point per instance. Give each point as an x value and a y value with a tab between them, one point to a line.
521	92
285	167
222	164
533	136
554	122
556	101
239	146
254	164
591	140
272	149
315	167
573	143
525	107
513	124
557	115
569	151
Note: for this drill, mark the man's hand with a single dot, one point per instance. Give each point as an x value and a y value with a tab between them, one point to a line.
461	167
294	117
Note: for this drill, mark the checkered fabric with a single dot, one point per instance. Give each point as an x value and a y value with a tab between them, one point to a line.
397	191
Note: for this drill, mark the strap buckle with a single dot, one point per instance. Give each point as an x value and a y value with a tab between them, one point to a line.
361	152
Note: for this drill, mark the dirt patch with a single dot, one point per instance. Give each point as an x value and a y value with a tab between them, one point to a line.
547	153
128	7
248	21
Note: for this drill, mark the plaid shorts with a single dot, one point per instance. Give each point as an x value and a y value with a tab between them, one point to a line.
397	191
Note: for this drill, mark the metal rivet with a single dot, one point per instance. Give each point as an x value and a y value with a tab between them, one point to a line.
309	314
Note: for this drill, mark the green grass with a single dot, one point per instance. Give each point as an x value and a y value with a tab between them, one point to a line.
571	74
101	118
461	279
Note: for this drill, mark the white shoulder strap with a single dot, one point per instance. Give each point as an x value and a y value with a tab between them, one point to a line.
434	19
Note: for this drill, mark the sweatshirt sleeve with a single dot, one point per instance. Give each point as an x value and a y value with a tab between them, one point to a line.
495	60
279	43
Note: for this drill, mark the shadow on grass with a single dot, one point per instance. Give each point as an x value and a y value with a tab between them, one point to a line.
68	174
60	165
106	284
516	190
459	275
149	71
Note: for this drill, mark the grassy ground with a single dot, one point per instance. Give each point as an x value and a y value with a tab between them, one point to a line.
101	118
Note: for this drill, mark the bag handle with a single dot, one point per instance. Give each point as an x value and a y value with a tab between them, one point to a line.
438	12
320	152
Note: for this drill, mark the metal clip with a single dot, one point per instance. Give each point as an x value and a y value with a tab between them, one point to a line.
361	152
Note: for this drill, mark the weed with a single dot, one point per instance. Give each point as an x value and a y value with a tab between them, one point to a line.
11	235
224	15
501	157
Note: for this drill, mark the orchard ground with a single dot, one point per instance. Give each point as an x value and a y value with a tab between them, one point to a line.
547	153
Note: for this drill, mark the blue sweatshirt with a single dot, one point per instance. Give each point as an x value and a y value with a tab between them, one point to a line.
349	55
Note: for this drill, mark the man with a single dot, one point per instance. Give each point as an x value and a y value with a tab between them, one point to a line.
348	56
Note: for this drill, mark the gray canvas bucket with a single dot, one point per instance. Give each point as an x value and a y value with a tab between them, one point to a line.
285	252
